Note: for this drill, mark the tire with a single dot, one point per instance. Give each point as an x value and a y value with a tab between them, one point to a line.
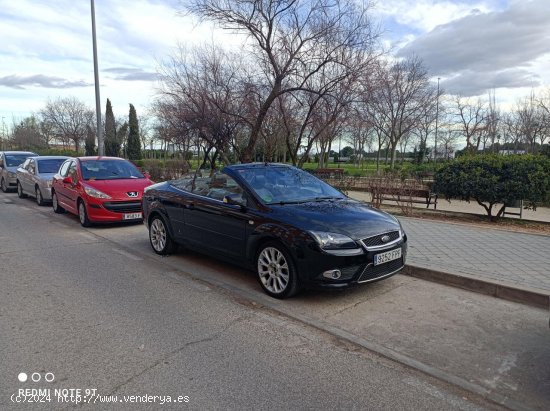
38	196
83	214
276	271
159	237
20	192
3	185
55	204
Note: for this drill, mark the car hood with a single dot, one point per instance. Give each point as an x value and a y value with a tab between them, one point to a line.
352	218
117	189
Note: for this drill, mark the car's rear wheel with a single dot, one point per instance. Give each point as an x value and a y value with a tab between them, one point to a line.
276	271
159	237
83	214
55	204
20	192
3	185
38	196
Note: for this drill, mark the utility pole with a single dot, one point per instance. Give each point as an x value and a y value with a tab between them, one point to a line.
436	120
3	134
100	148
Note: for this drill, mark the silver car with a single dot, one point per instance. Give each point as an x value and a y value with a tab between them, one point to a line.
34	177
9	161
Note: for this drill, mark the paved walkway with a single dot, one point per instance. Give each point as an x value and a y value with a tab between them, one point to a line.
513	258
510	257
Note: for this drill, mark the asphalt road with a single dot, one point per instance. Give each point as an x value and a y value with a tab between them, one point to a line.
95	309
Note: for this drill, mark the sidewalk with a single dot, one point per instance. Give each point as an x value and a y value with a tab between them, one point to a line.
489	256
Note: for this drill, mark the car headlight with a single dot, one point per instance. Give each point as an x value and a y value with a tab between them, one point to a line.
92	192
337	244
12	174
401	231
49	183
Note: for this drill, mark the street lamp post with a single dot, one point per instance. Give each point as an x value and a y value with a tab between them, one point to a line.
436	120
96	78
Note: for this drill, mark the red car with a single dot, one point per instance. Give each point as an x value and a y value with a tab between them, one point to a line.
99	189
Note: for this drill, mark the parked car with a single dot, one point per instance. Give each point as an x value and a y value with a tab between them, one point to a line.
9	161
34	177
293	229
99	189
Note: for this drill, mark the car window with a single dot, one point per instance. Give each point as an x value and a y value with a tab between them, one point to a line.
31	167
65	168
109	170
14	160
287	185
50	165
216	187
72	171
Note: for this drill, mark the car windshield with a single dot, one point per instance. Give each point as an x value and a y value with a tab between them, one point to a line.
13	160
109	170
286	185
50	165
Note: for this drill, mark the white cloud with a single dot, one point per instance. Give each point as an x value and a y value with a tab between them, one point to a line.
481	51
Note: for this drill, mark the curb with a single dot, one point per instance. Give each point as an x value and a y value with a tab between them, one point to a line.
515	293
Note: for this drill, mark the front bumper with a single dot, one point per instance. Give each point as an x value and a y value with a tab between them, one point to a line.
111	211
11	181
353	270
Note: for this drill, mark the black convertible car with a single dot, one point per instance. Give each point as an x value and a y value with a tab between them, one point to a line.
293	229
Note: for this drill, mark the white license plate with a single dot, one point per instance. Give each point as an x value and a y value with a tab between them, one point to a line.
387	256
132	216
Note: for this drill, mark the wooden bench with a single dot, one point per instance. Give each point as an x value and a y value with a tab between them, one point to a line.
404	195
329	172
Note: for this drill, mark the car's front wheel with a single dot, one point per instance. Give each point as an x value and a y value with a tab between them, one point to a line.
3	185
83	214
38	196
276	271
55	204
159	237
20	192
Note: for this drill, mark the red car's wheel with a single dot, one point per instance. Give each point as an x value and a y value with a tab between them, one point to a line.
55	204
83	214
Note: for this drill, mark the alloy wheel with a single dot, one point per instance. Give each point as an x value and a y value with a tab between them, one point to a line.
39	199
158	235
273	270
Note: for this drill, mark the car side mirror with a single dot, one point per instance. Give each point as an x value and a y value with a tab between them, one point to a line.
234	200
67	180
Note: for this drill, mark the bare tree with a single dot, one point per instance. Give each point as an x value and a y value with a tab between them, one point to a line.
26	134
448	141
491	131
532	121
397	98
291	42
204	99
471	119
69	118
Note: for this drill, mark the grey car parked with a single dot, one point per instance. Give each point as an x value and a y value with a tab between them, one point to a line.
34	177
9	161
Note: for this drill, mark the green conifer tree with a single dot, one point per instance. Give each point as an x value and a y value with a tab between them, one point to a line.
133	148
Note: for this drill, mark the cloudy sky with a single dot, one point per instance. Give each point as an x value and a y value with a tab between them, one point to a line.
46	47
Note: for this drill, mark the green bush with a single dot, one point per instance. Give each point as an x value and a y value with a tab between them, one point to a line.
492	179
